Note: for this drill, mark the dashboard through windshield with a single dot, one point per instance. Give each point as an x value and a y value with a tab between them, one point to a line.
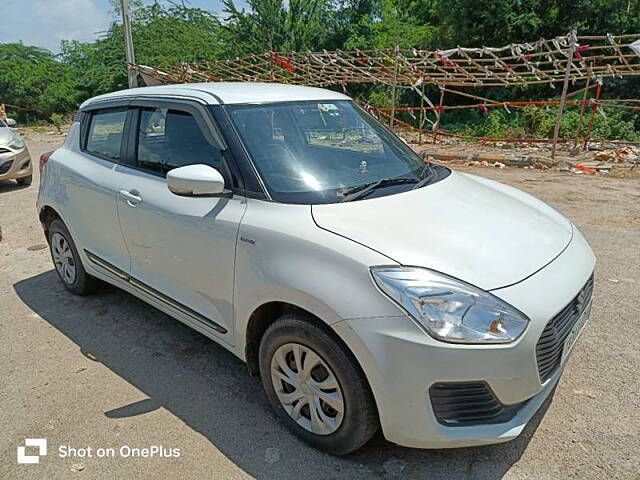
324	151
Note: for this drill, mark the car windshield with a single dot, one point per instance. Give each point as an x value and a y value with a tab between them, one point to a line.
324	152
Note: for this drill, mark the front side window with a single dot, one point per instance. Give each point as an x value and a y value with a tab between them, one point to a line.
319	152
105	133
168	139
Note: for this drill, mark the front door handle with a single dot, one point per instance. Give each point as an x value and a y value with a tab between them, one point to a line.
132	197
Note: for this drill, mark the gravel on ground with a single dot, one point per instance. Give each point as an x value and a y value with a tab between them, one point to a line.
110	371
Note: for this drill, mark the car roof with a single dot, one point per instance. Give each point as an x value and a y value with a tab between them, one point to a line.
216	93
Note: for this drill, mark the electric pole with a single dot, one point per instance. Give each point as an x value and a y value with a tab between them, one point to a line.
128	43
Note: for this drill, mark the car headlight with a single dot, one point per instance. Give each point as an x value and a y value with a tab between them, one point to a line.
450	310
16	143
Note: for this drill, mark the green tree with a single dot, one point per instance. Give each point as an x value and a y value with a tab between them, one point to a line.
33	79
393	22
495	23
276	25
163	36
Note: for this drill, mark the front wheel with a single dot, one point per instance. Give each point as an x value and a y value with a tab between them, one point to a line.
316	387
25	181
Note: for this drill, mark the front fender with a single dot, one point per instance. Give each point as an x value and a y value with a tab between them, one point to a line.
282	255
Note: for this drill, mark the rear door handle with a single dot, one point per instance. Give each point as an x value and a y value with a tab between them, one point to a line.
132	197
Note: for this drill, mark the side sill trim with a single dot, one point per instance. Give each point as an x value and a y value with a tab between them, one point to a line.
107	266
154	293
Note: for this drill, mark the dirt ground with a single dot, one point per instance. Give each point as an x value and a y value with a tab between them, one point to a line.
108	370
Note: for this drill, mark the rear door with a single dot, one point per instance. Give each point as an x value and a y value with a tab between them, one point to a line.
91	184
182	248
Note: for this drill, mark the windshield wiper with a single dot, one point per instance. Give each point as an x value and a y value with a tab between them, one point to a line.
426	174
360	191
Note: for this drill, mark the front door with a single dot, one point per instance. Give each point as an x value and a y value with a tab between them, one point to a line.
182	248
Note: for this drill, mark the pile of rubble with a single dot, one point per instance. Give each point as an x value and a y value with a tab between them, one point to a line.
602	160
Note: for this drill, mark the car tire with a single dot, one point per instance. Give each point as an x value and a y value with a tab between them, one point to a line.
337	431
26	181
67	262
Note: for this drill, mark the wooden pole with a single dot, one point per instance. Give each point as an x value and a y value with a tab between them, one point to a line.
421	121
593	113
393	88
565	87
436	126
584	99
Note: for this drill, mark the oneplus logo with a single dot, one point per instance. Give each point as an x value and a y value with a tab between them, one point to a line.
41	443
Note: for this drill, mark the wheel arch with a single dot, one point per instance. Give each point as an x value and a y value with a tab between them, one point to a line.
47	215
259	320
266	314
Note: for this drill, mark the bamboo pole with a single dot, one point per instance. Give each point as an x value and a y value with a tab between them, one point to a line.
587	138
563	97
393	88
436	126
421	121
584	99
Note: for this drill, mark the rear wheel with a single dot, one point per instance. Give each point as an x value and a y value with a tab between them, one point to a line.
67	261
315	386
25	180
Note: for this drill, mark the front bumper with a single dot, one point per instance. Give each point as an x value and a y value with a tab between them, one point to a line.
401	362
15	164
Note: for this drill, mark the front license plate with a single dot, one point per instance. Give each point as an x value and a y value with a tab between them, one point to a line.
575	333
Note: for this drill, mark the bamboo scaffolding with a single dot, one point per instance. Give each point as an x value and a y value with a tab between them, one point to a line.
567	59
516	64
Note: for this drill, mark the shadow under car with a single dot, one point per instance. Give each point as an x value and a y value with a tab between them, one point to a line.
211	391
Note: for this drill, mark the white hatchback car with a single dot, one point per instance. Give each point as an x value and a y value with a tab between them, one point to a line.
366	287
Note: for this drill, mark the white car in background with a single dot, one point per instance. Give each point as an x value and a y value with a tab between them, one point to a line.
15	160
366	287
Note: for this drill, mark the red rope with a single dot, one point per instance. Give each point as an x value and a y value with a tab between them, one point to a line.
483	106
445	61
578	51
481	139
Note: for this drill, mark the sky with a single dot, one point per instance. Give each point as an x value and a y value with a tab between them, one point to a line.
45	23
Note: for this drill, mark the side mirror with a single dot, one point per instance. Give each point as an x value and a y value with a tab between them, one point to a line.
11	122
195	181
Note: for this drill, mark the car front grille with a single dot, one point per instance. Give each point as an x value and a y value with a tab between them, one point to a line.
468	403
551	342
4	150
4	167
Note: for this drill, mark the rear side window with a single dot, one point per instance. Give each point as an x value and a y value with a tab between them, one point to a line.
168	139
105	133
